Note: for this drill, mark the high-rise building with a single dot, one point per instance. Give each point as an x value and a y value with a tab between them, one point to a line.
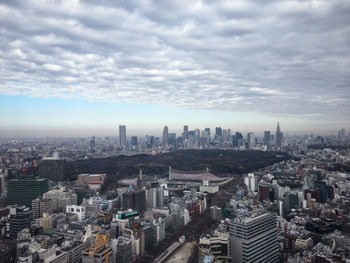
172	139
92	143
2	184
207	130
158	231
61	198
253	238
123	253
278	135
53	169
20	218
134	141
134	200
267	137
251	181
122	135
224	135
185	133
155	198
251	138
290	201
23	192
165	137
229	136
267	191
238	139
41	206
218	131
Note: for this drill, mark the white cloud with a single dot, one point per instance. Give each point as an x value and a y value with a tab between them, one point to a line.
289	57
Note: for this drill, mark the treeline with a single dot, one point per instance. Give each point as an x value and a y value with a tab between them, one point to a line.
219	162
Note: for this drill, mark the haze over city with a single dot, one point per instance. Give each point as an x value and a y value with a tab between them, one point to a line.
81	68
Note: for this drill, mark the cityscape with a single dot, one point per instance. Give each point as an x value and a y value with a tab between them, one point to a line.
195	131
63	202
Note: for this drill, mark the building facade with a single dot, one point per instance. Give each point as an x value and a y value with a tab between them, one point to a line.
253	238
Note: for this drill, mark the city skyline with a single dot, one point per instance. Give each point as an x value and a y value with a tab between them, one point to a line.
244	64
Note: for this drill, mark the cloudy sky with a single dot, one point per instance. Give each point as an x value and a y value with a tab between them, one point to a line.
83	67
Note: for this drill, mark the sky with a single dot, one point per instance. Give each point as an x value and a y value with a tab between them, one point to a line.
81	68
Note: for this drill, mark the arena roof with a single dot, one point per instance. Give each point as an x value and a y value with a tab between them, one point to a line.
192	176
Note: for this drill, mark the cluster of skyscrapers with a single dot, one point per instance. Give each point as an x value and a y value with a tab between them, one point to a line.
201	139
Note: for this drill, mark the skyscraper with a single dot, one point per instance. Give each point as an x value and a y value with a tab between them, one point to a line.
92	143
20	217
165	137
122	135
267	137
251	138
22	192
278	135
185	133
207	130
218	131
134	141
253	238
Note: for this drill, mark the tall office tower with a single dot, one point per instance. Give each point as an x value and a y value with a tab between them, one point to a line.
197	134
224	135
267	137
251	139
151	141
165	137
122	135
172	138
207	130
238	139
92	143
20	218
253	238
218	131
134	141
185	133
52	168
22	192
278	135
41	206
229	135
341	134
205	139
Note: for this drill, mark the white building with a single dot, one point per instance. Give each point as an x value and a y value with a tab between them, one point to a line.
253	238
209	188
159	228
251	181
76	209
61	198
186	216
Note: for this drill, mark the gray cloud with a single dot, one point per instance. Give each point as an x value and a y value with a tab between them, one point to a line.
287	58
